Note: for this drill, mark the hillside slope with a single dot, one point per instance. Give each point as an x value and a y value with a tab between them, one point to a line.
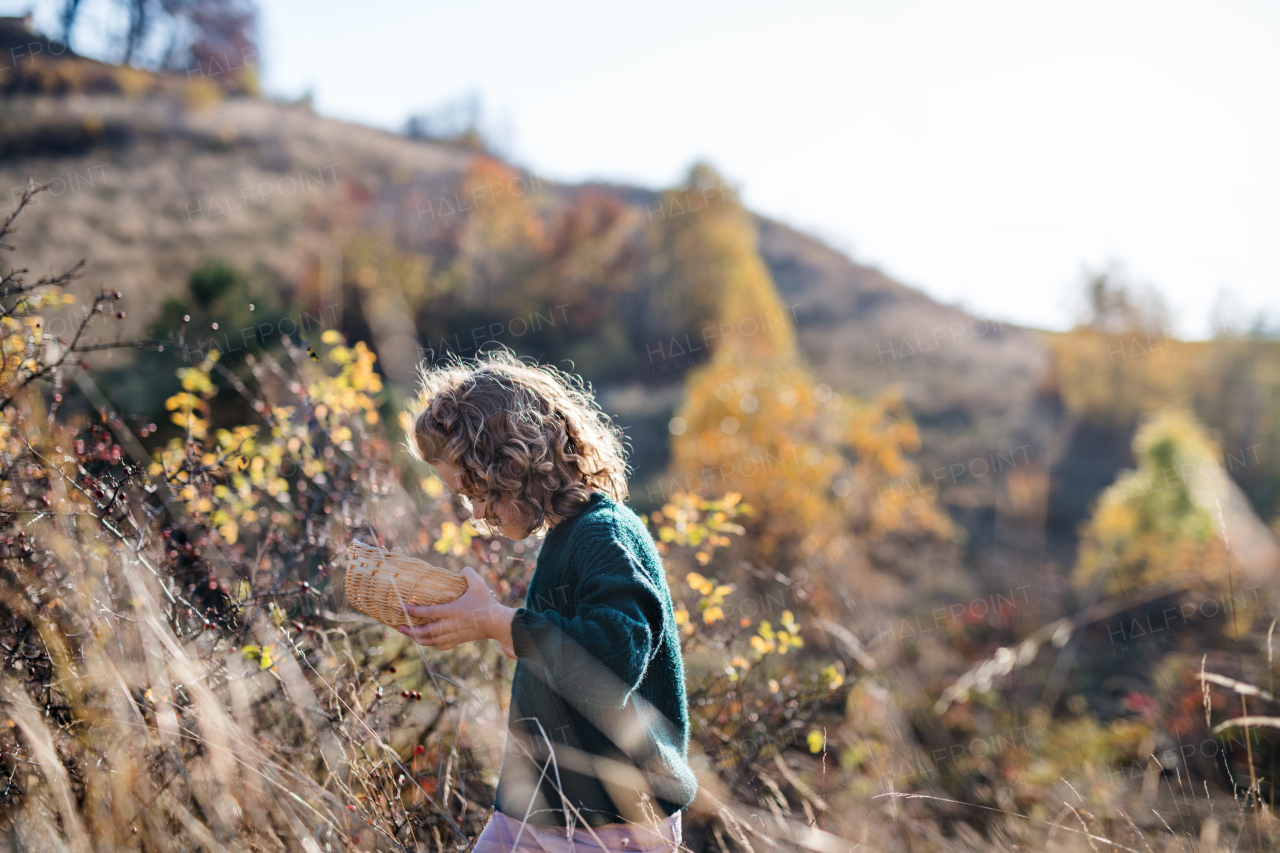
149	188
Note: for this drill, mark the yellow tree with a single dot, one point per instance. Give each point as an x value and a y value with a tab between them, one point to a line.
719	286
756	422
1163	523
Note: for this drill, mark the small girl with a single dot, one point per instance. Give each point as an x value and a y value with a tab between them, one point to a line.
598	730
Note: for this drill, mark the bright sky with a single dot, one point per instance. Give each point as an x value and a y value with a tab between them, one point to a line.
983	151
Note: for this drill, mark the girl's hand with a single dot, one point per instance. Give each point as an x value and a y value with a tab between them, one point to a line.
475	615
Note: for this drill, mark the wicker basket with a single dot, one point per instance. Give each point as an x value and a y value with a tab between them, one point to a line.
379	583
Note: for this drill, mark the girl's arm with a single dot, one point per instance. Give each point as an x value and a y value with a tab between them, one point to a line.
599	655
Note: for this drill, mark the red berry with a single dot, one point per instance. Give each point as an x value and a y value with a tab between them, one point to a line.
419	749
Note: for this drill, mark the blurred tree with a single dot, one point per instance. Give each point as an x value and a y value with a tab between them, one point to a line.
1121	364
67	19
1112	379
218	293
212	39
500	235
223	42
1116	305
756	422
211	281
223	309
705	243
140	23
756	430
1159	523
454	123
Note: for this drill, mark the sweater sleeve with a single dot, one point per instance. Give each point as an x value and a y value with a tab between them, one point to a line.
599	656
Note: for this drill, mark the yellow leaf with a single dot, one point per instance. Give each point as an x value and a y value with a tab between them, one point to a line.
432	486
816	741
230	532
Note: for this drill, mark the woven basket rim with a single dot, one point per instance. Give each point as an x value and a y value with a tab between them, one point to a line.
379	583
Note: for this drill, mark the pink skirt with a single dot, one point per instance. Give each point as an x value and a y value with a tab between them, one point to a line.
503	834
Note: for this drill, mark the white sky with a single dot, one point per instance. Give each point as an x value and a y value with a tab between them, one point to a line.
982	151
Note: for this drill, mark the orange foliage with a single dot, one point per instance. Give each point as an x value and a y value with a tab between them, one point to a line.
756	423
756	432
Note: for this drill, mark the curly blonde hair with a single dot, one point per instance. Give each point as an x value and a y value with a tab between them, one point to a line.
530	434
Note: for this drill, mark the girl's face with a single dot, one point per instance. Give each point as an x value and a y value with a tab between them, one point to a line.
500	515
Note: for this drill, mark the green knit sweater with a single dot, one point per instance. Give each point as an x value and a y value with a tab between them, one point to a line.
598	705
